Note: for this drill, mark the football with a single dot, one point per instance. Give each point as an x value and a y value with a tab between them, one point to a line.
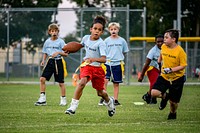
72	47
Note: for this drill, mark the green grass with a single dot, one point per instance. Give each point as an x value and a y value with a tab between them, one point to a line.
18	113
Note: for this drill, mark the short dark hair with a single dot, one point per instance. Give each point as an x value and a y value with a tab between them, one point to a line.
173	33
99	19
159	36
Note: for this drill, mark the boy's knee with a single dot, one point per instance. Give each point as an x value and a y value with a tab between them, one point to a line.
155	93
42	79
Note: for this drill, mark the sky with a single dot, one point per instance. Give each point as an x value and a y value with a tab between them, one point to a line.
66	19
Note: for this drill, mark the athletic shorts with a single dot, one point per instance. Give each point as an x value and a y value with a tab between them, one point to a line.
50	69
95	74
152	76
175	87
114	73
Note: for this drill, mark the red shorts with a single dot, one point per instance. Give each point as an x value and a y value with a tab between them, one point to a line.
152	76
95	74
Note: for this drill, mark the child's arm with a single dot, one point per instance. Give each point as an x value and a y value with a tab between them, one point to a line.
43	59
60	53
160	61
102	59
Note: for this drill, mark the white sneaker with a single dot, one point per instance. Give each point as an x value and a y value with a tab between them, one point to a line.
63	101
110	106
41	101
71	110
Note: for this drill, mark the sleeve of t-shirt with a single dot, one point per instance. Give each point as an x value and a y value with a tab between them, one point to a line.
150	54
183	58
44	50
102	48
125	49
83	40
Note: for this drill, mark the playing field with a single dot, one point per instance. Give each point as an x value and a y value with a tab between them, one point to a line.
18	113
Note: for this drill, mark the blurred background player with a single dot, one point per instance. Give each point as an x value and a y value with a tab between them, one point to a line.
151	68
197	72
91	69
55	64
172	78
116	47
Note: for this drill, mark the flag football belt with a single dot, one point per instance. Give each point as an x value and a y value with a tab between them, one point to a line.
122	67
56	66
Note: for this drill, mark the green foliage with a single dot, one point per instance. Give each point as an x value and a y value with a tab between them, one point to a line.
160	15
18	113
25	23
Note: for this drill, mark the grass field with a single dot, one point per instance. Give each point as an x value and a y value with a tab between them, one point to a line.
18	113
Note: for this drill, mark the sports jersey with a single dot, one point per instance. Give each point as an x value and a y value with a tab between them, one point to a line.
52	46
115	47
153	55
94	49
173	58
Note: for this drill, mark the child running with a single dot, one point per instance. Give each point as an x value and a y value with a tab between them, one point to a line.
172	76
91	68
152	68
52	50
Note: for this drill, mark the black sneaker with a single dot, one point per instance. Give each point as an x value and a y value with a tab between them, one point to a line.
153	101
111	112
146	97
163	102
171	116
69	112
116	103
101	102
111	107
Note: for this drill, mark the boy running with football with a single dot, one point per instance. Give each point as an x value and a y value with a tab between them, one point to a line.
55	64
172	78
91	68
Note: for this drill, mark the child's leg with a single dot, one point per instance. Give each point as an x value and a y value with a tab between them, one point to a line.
42	99
77	95
42	85
109	102
116	90
79	89
62	89
104	95
106	84
63	100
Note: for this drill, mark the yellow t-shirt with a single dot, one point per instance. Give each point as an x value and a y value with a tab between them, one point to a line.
173	58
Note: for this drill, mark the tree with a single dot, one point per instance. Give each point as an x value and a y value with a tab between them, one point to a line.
26	23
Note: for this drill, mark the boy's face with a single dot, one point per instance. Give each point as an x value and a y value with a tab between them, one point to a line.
114	30
96	31
159	42
168	40
53	32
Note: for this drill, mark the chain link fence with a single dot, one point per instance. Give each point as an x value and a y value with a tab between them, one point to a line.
19	63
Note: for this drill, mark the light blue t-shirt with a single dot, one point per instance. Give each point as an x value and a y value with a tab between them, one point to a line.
52	46
116	47
94	49
153	55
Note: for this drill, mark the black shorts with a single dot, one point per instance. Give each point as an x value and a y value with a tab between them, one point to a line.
175	87
51	69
